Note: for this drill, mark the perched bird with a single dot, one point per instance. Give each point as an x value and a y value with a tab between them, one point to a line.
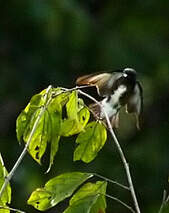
119	88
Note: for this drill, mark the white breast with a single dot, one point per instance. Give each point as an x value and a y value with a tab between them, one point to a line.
118	93
112	106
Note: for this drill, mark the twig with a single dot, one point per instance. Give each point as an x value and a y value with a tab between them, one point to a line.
64	90
164	201
12	209
121	202
111	181
78	87
1	160
11	173
126	166
167	199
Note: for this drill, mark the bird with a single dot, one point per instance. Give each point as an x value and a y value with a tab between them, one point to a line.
120	88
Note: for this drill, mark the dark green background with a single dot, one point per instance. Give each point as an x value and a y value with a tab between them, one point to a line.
52	42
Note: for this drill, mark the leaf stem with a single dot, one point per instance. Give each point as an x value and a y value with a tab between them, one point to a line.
121	202
123	158
12	209
111	181
11	173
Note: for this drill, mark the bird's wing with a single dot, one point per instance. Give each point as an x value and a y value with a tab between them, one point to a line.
103	81
135	103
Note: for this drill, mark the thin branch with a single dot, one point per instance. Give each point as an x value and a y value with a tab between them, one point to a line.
164	201
125	164
111	181
11	209
11	173
167	199
78	87
121	202
71	90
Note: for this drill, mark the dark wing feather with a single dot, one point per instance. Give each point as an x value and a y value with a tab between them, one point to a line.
103	81
135	103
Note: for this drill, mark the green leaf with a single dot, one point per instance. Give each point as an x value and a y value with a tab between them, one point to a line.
48	127
25	123
53	150
90	198
55	115
4	210
83	116
90	142
40	199
56	190
61	97
24	118
68	128
41	135
83	206
72	106
77	116
6	196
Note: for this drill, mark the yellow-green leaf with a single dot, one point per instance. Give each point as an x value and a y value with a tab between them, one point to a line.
77	116
48	126
53	150
4	210
72	106
41	135
60	96
90	141
6	196
68	128
56	190
89	198
40	199
83	117
25	116
55	116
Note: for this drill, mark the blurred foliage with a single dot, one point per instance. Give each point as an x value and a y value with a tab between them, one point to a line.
53	42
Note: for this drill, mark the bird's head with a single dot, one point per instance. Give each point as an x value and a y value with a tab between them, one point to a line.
129	72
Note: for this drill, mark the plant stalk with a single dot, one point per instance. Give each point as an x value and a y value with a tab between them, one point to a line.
121	153
11	173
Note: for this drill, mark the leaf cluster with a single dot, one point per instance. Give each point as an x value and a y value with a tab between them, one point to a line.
59	114
50	115
89	198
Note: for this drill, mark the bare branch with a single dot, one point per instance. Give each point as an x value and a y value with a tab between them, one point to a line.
121	202
11	209
111	181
